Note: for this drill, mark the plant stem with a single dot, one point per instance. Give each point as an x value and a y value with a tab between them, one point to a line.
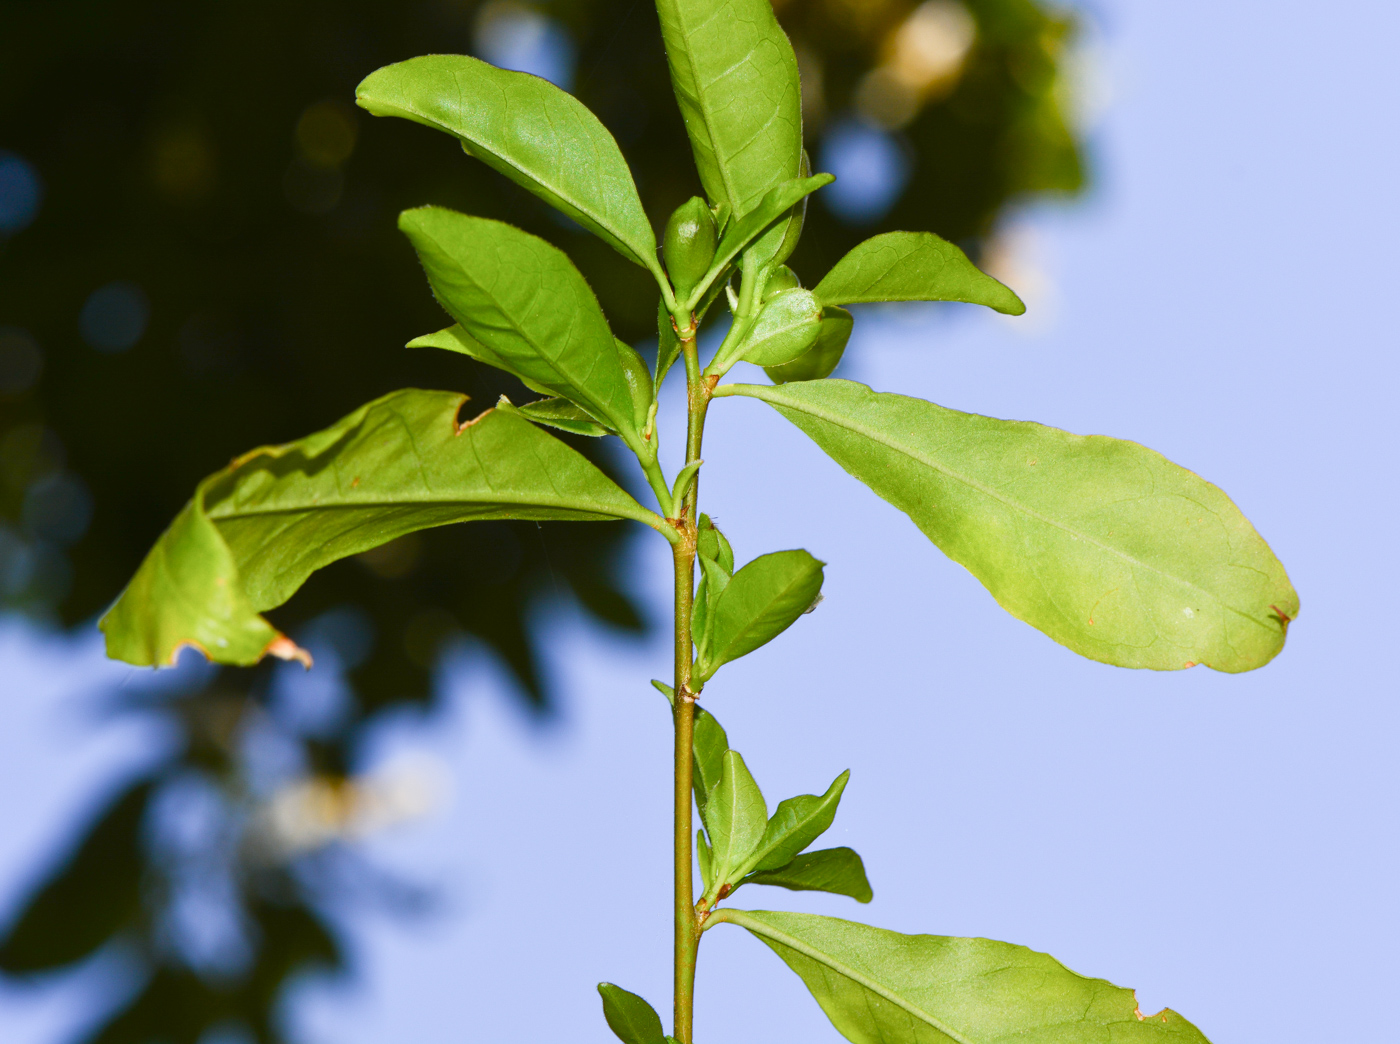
687	938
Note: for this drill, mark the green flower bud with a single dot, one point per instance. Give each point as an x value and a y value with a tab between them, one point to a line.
690	244
638	375
786	327
784	278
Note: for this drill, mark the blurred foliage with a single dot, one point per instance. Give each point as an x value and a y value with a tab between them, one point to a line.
214	266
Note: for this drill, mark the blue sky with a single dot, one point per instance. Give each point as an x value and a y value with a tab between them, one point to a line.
1224	844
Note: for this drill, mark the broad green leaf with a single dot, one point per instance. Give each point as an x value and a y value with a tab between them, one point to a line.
456	339
837	870
735	77
786	327
707	755
540	137
630	1017
556	413
735	816
795	824
762	600
1105	545
524	300
881	987
824	356
713	544
775	203
912	266
256	530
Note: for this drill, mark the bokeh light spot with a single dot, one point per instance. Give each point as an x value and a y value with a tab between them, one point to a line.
114	317
57	508
871	170
21	192
513	36
326	134
21	361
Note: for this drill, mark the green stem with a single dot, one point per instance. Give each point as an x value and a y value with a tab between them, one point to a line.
687	938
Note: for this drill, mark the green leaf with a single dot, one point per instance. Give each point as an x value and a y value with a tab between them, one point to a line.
524	300
257	529
456	339
734	815
540	137
777	202
714	579
880	987
665	690
711	543
837	870
824	356
556	413
760	602
777	244
668	346
786	327
1105	545
630	1017
707	755
795	824
912	266
735	77
638	376
705	859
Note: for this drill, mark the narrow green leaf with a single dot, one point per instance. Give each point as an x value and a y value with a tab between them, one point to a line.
256	530
795	824
638	377
665	690
1105	545
684	478
777	202
705	859
735	816
760	602
556	413
713	544
707	755
777	244
714	579
668	346
630	1017
787	326
456	339
524	300
735	77
912	266
824	356
836	870
540	137
880	987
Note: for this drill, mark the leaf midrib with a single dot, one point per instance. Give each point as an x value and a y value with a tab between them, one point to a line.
217	516
740	918
759	392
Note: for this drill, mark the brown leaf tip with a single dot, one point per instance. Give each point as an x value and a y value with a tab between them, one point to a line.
284	648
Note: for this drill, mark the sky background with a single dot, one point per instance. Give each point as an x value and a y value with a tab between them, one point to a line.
1224	844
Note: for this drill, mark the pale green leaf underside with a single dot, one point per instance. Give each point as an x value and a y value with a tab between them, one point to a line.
256	530
836	870
881	987
912	266
735	77
524	300
1103	544
708	747
735	816
537	135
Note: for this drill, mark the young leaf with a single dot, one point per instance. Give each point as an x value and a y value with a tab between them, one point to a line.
1105	545
762	600
705	859
668	346
735	816
540	137
707	755
713	581
795	824
630	1017
735	77
836	870
556	413
638	376
881	987
777	244
524	300
711	543
824	356
256	530
665	690
455	339
787	326
775	203
912	266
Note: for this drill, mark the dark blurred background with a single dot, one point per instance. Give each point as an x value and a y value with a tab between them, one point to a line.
198	256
